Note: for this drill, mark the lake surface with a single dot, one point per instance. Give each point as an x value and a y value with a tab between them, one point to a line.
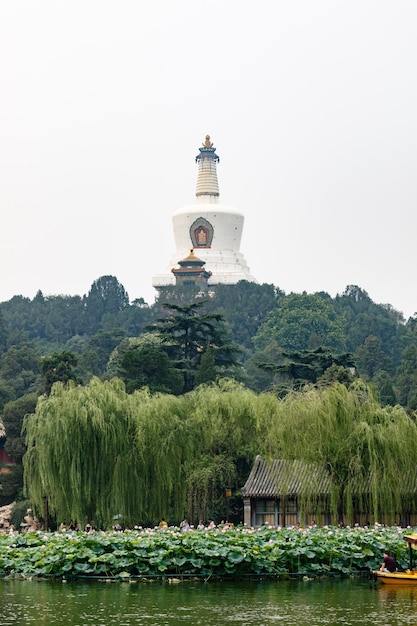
293	603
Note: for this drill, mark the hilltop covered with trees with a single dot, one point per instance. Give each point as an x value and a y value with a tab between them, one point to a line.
258	336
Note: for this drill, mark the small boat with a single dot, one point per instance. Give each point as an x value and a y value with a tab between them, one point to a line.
409	577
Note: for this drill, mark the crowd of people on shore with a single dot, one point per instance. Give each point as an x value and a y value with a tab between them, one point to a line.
184	526
31	523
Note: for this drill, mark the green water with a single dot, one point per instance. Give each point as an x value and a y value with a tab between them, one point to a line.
348	602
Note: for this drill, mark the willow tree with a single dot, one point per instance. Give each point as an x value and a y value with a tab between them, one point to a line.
370	452
96	452
221	419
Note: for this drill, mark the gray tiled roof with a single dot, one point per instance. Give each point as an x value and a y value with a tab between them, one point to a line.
271	479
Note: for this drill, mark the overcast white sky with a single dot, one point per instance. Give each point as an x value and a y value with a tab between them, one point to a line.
311	104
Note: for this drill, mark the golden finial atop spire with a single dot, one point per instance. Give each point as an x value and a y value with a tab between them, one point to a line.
208	143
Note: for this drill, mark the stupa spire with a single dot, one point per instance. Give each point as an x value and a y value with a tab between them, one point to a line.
212	229
207	183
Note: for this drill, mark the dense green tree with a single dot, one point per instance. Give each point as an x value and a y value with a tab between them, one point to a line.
187	332
106	296
77	343
406	382
113	368
51	324
59	367
64	318
363	318
302	322
132	319
370	358
206	371
14	413
295	369
382	383
17	314
245	307
46	321
150	367
337	374
20	369
257	378
3	333
97	351
6	394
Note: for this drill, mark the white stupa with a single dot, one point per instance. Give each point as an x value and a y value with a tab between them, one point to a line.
211	229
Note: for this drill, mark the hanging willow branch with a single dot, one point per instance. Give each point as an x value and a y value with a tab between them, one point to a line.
97	452
369	452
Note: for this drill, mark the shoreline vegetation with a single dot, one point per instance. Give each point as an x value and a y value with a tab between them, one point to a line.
216	553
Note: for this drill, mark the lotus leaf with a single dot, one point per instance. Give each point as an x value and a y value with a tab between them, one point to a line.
236	557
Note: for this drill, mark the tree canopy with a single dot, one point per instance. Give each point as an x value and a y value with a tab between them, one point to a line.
295	369
196	343
302	322
375	334
369	451
187	332
58	367
97	451
150	367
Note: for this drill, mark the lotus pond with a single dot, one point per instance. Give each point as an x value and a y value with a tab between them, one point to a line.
209	554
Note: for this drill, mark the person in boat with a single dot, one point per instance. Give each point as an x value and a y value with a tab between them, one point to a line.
389	564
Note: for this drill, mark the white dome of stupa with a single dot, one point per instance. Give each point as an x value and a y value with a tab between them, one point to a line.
212	229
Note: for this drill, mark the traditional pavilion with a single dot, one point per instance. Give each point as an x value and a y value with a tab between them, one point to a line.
191	272
211	229
283	493
274	490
